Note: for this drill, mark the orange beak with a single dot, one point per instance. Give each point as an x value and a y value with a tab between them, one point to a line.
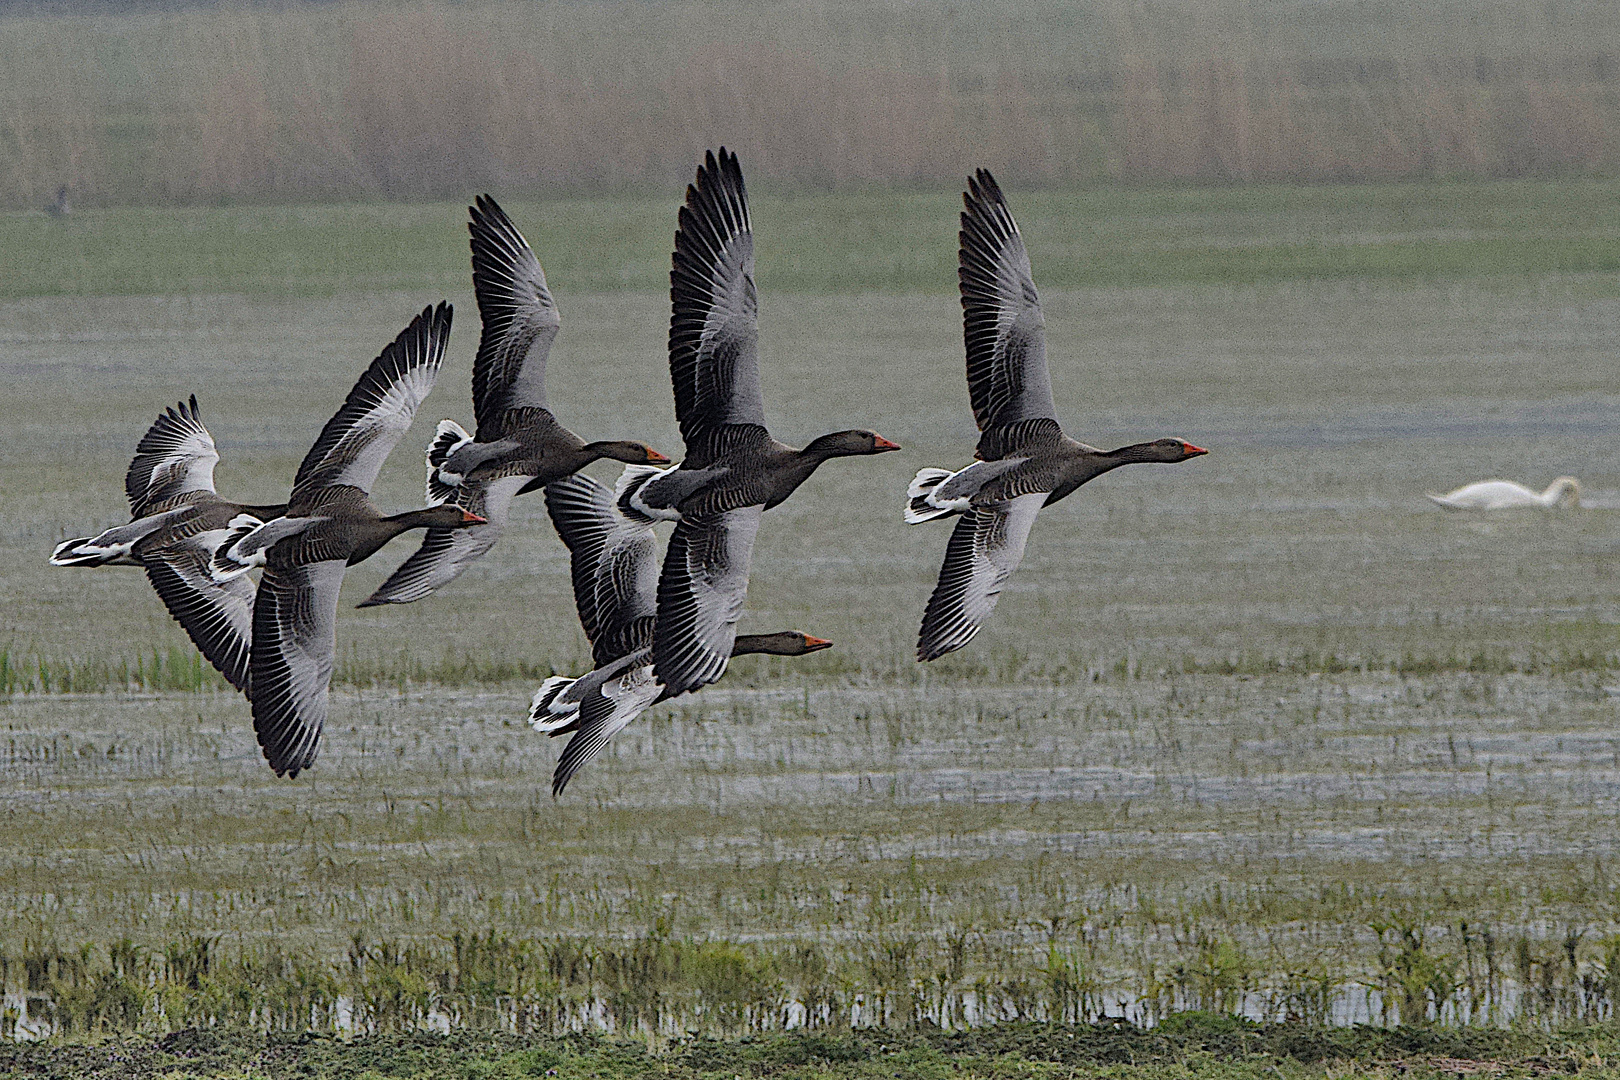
1194	451
815	644
473	519
655	458
879	443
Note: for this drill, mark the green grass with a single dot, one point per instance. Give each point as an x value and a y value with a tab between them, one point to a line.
883	241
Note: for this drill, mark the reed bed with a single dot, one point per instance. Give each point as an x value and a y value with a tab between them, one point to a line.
426	99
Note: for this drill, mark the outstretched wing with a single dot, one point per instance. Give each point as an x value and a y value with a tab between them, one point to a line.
985	548
1001	313
294	642
445	553
701	590
216	615
175	456
615	566
604	713
520	318
714	321
354	444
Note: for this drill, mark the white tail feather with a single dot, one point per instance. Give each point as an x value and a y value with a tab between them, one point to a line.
921	505
547	710
627	494
447	439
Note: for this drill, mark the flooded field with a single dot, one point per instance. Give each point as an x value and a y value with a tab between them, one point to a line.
1265	731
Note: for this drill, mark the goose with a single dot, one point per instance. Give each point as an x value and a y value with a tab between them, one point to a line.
613	557
733	469
1506	495
1024	461
177	520
520	446
330	524
60	206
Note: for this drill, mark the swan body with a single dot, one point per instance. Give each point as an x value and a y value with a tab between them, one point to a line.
1506	495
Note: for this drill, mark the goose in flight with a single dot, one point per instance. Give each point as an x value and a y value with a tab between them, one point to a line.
733	470
614	559
1506	495
177	520
330	524
520	446
1024	461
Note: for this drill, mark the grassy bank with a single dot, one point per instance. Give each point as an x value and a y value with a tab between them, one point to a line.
1186	1045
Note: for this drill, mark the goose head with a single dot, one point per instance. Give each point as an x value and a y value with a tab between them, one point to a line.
853	443
782	643
1162	450
631	453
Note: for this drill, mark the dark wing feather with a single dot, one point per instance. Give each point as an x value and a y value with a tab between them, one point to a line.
701	590
714	320
354	444
217	616
520	317
985	548
174	457
1002	325
294	643
614	561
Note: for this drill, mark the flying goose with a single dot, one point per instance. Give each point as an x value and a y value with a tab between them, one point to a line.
614	559
1506	495
1024	461
520	447
733	469
330	524
177	520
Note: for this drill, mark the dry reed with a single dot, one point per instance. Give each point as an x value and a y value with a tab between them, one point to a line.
431	99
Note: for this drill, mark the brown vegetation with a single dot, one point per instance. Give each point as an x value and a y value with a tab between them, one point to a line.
436	99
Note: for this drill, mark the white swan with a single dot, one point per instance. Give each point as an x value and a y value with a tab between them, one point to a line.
1506	495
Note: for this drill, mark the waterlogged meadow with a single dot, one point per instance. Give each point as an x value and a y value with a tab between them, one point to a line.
1266	732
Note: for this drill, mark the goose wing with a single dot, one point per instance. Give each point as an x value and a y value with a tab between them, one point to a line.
985	548
216	615
175	456
701	590
520	317
445	553
615	566
294	642
605	712
714	322
1002	325
354	444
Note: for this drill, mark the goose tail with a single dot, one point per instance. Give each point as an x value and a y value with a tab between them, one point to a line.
627	495
549	712
441	483
921	504
85	551
229	561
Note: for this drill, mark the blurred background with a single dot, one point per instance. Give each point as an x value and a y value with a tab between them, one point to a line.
134	102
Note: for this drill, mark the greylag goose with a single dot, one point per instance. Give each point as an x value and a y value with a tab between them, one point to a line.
613	557
733	468
520	446
330	524
177	521
1506	495
1024	461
